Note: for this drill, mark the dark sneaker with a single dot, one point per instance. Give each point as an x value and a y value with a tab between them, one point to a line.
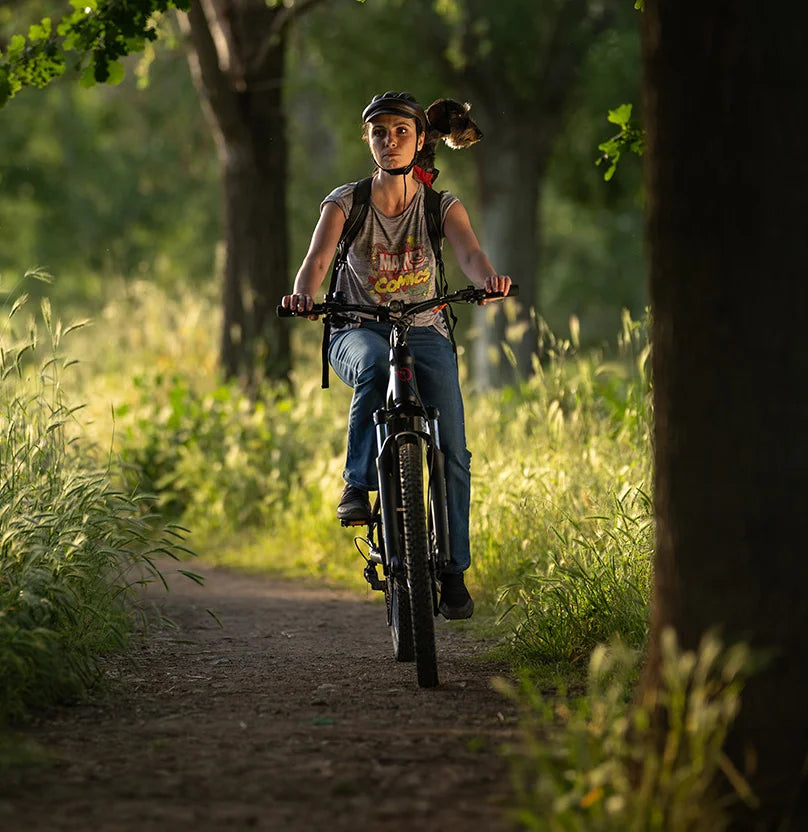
455	601
354	507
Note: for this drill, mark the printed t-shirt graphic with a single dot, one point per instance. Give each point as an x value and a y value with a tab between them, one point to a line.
404	271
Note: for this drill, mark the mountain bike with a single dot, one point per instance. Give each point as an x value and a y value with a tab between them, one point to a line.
408	533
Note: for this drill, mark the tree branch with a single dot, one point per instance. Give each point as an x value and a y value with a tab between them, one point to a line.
207	64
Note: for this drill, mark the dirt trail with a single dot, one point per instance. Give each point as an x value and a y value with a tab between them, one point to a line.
292	716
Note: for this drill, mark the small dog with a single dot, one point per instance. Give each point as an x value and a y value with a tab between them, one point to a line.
448	121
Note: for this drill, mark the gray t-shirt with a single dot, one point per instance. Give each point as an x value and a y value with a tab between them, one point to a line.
391	258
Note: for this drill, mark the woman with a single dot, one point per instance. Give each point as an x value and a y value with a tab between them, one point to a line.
391	258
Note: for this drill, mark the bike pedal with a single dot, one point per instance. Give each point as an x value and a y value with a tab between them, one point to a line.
372	577
354	522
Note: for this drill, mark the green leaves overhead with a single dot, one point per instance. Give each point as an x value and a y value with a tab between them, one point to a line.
94	35
631	138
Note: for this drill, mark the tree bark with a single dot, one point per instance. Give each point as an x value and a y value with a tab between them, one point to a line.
727	188
238	62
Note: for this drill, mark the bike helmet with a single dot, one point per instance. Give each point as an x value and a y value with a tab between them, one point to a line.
396	103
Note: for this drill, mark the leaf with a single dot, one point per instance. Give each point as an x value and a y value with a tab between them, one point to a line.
621	115
199	579
116	73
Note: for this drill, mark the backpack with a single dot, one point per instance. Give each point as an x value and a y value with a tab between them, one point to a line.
359	211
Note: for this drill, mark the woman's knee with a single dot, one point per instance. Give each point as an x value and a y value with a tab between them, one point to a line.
372	369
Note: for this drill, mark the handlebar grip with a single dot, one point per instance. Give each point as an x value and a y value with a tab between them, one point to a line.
513	291
283	312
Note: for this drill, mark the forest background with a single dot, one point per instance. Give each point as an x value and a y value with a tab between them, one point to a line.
111	214
563	532
111	208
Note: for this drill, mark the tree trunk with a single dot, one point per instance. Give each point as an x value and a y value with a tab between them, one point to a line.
510	172
238	63
727	187
522	114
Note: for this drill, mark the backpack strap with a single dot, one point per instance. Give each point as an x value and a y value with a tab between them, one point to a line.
355	220
434	227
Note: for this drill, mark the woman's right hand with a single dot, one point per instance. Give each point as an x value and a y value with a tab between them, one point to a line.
299	302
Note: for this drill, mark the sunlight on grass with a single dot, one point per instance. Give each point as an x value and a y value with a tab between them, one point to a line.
561	521
74	544
604	763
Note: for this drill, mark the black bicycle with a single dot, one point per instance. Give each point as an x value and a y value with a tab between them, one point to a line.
408	534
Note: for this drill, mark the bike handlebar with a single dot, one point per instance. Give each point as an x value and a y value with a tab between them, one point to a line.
397	308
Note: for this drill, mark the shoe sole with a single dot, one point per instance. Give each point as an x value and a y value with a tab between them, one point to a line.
353	521
457	613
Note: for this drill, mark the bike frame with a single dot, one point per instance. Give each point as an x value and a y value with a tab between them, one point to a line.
404	415
406	537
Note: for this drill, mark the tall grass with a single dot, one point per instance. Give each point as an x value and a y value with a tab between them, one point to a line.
73	545
606	763
561	524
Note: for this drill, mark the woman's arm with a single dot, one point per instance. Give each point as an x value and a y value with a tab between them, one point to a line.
315	264
471	258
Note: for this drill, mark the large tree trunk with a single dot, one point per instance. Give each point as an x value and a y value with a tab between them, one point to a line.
727	185
238	63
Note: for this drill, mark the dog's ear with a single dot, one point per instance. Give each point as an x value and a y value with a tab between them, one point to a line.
438	114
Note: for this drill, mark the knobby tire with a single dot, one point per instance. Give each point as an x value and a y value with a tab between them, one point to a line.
416	555
400	619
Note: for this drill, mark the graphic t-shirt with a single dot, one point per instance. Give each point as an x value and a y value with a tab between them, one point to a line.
391	258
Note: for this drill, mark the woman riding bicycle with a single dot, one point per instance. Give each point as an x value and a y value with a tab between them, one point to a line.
391	259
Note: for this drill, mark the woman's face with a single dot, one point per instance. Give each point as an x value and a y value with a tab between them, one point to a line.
393	140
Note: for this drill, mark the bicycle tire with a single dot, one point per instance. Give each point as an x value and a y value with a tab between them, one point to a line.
416	556
400	619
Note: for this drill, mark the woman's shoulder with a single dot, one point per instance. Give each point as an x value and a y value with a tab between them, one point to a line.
343	196
447	199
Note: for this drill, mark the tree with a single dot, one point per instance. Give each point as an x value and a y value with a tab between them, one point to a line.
239	51
727	186
238	60
519	63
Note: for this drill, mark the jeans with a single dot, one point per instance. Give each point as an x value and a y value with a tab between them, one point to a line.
360	357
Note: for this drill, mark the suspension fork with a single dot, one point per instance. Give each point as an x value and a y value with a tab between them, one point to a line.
438	500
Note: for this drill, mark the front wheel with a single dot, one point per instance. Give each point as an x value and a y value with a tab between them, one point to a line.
398	597
416	556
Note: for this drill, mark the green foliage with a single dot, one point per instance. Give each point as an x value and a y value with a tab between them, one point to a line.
561	527
73	545
594	588
109	182
220	459
96	34
603	764
630	138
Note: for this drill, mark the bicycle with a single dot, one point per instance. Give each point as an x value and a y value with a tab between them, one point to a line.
408	533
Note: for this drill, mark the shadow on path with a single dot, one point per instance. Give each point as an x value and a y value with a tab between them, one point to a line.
291	715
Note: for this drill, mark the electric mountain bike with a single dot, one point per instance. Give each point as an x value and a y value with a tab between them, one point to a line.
408	533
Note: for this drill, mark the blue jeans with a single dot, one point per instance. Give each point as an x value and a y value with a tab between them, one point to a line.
360	358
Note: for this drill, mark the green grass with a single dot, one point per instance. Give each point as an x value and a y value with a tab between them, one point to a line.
74	544
561	524
602	762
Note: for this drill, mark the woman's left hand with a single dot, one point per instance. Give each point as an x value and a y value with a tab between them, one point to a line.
496	283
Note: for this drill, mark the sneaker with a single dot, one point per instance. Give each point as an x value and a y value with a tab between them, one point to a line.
354	507
455	601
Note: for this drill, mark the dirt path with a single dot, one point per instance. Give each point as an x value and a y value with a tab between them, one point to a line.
293	716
